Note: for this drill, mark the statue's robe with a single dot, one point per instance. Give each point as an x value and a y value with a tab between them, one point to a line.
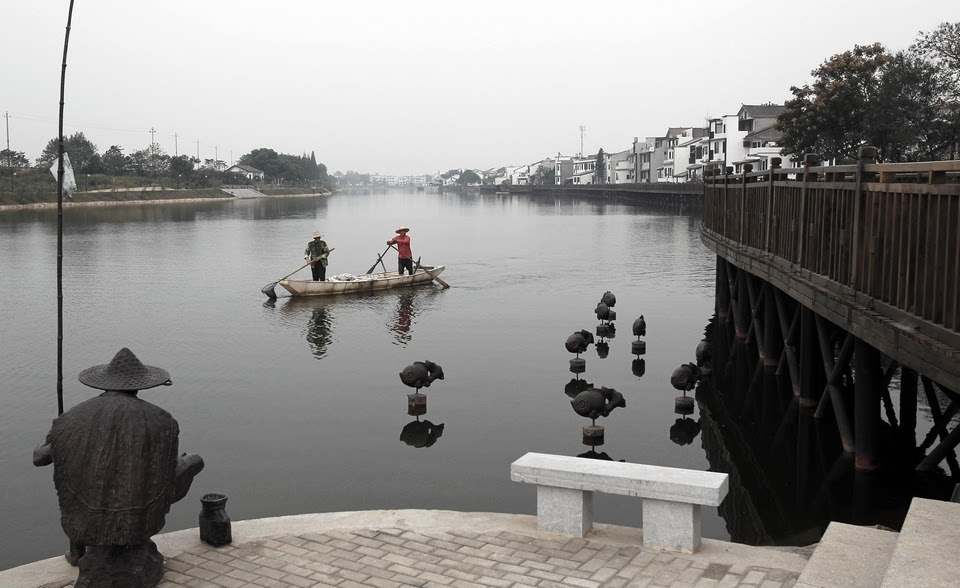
115	460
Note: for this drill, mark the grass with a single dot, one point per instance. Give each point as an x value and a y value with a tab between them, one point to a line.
39	186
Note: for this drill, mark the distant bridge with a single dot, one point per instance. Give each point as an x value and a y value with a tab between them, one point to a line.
845	276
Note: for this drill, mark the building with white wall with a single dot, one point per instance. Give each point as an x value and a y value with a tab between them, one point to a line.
620	167
563	169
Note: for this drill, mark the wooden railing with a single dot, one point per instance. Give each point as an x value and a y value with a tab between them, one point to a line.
888	231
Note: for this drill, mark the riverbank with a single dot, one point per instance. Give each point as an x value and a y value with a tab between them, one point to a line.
112	198
666	196
390	548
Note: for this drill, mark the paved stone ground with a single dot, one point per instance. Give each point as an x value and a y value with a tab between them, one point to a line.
391	558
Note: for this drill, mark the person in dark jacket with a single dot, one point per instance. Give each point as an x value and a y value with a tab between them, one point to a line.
317	249
117	470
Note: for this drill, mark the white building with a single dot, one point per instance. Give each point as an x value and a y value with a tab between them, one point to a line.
584	170
750	136
620	167
563	169
251	173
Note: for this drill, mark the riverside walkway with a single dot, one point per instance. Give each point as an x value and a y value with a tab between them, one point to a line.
390	549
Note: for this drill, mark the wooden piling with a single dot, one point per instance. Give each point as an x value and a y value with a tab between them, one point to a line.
907	431
867	381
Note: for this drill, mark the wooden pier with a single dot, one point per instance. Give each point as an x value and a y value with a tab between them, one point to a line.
848	278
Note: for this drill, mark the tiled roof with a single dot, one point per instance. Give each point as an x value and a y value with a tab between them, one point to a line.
762	110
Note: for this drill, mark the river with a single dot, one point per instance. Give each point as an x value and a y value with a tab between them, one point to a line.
296	406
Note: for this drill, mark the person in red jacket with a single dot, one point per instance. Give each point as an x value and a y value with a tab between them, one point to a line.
405	256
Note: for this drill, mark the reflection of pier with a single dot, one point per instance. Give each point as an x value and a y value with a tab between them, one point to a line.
789	475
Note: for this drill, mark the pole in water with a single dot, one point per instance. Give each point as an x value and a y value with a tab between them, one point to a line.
63	79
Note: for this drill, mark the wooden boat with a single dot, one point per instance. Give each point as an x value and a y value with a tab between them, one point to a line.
375	283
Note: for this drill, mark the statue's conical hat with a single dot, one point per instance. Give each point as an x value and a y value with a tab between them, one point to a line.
124	373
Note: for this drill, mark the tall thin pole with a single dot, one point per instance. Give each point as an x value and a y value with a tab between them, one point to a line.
176	152
152	131
198	151
6	116
63	80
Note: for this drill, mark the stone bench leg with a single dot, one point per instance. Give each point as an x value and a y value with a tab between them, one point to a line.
673	526
566	511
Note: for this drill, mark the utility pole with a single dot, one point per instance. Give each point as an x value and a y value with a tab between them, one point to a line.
175	151
6	116
198	151
583	130
152	131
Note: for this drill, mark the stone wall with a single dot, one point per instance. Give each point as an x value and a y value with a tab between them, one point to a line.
667	196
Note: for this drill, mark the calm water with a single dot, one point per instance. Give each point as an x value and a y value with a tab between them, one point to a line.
297	406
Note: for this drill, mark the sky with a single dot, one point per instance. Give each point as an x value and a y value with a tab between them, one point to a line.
416	87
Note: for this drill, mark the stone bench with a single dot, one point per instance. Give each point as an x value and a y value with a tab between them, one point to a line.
671	496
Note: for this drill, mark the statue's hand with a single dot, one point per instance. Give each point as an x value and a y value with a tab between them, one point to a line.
190	464
43	454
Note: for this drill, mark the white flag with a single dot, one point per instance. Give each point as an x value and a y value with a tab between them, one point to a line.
69	182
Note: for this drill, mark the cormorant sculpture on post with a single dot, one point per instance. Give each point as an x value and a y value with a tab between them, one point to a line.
595	403
420	374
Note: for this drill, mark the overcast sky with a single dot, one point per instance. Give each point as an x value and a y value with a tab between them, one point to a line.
416	87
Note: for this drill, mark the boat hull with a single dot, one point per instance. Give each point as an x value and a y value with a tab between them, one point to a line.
380	281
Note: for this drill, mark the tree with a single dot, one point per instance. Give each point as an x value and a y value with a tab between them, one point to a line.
10	159
152	161
829	117
942	47
181	166
903	119
600	173
114	161
543	176
468	177
83	154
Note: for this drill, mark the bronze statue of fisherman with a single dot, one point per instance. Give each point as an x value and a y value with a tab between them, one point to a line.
117	471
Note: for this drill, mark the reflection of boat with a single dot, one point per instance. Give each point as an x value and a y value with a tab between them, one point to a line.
367	283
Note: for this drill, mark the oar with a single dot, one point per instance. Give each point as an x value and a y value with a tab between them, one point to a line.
436	278
374	266
268	289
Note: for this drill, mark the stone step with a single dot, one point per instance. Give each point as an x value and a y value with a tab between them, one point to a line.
244	192
849	556
928	548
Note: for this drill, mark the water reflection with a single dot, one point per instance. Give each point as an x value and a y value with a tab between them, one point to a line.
320	320
684	430
594	454
421	433
403	322
576	386
318	331
788	474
